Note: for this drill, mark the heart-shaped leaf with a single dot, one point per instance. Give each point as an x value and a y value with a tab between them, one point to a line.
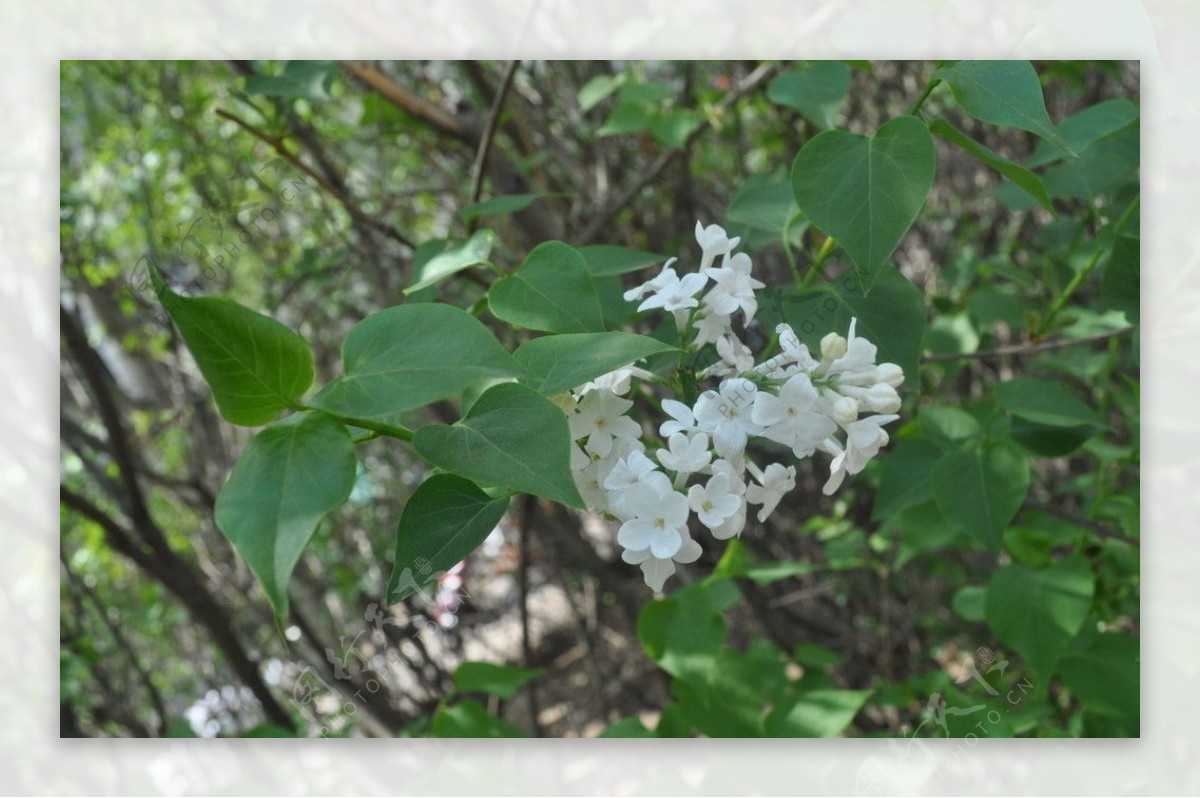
284	483
817	90
982	491
254	365
512	437
1037	612
552	292
866	192
443	521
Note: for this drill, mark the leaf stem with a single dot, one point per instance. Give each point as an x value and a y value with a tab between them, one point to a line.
379	428
818	264
916	106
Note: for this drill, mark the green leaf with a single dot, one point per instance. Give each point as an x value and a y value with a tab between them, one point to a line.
287	479
982	491
1120	288
762	206
968	603
817	91
433	265
866	192
444	520
736	562
1019	175
684	631
604	260
625	118
924	528
254	365
267	730
559	363
1049	441
301	80
1037	612
1103	167
1045	402
891	316
646	94
1003	93
512	437
407	356
1105	676
497	680
1083	129
469	719
499	206
905	478
627	727
596	90
673	128
816	713
552	292
740	689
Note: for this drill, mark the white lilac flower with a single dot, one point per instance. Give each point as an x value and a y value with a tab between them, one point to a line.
676	294
711	326
733	525
726	414
681	418
659	521
863	441
833	346
794	417
733	470
662	279
844	409
793	349
629	470
656	570
715	502
889	373
736	358
772	485
600	418
590	478
617	381
714	243
882	398
688	453
857	364
734	287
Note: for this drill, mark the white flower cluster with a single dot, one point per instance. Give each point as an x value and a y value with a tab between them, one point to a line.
837	404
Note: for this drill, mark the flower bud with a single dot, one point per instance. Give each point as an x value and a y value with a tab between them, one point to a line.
890	373
845	410
833	346
882	398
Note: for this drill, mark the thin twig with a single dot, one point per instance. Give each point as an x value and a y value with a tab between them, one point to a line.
280	146
489	131
1093	526
402	98
747	85
1027	349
